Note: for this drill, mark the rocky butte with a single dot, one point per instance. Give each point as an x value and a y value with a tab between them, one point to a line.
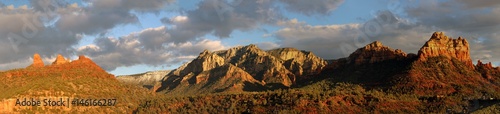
37	61
60	60
441	45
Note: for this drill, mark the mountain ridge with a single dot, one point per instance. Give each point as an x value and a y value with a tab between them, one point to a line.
285	67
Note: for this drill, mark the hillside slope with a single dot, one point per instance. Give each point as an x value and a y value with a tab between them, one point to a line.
78	79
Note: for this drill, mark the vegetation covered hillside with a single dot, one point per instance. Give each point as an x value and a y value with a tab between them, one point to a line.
79	79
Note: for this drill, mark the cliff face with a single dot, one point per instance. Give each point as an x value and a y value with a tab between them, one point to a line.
204	62
299	62
441	45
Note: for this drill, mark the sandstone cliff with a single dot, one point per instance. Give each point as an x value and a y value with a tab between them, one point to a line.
441	45
204	62
299	62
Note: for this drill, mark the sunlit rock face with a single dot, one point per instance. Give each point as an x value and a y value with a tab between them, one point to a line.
37	61
441	45
60	60
243	65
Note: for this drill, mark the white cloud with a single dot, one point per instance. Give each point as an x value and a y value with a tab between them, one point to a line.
133	49
310	7
338	41
267	45
179	19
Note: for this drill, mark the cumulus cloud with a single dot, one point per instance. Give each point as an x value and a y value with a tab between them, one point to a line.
220	18
337	41
476	21
181	37
323	40
25	33
50	27
142	48
103	15
310	7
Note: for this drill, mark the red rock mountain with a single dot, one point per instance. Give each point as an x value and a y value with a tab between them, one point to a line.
441	45
442	66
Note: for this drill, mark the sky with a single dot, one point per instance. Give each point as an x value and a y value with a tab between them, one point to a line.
135	36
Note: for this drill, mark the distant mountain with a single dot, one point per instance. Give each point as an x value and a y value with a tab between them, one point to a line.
148	79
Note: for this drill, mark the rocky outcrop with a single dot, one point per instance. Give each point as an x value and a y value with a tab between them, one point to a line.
37	61
60	60
487	70
204	62
441	45
375	52
484	65
258	63
299	62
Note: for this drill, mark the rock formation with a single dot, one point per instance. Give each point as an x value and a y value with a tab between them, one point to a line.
37	61
204	62
441	45
279	67
487	70
486	65
299	62
375	52
60	60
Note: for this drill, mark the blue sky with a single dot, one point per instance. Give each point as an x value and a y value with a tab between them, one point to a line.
350	12
127	37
